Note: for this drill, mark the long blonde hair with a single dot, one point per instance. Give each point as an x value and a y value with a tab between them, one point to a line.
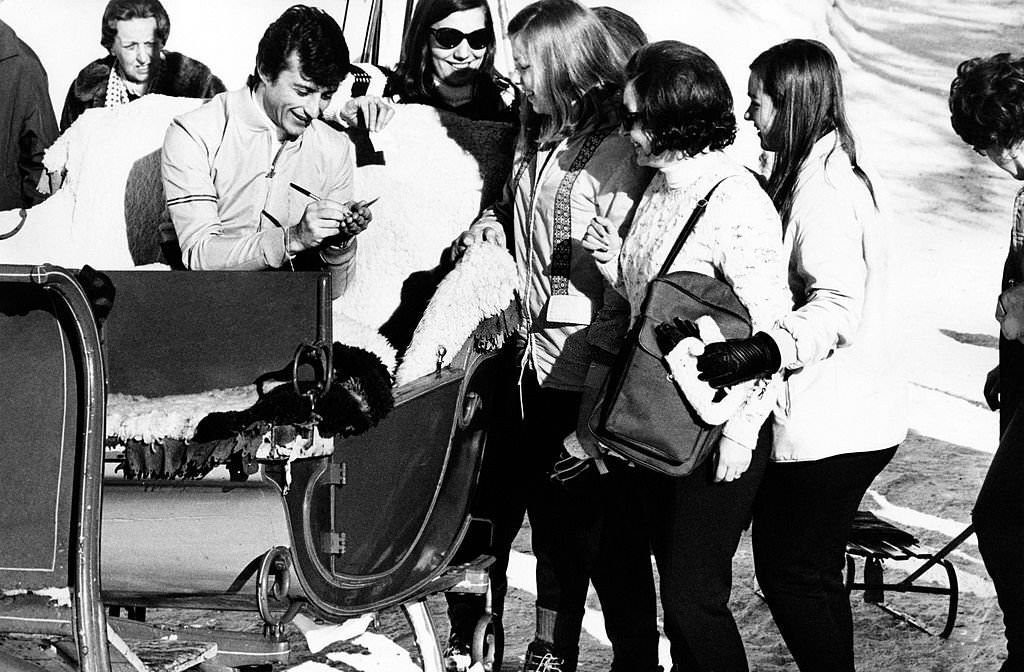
576	64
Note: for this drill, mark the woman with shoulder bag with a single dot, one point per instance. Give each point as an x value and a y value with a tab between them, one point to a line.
843	411
571	166
678	113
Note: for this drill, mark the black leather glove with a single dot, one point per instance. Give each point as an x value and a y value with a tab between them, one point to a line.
99	290
668	334
734	361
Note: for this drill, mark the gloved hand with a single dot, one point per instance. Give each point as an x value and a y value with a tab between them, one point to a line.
668	334
726	363
99	290
991	389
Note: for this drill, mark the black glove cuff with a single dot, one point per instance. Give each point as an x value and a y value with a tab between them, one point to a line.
770	349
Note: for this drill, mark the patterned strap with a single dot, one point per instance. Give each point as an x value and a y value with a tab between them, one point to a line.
523	165
561	246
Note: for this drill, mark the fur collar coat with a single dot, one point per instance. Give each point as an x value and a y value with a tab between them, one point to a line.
177	75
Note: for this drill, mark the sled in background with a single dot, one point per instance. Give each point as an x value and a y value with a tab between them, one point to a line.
876	541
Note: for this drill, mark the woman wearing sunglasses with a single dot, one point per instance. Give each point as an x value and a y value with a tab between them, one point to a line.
678	113
448	62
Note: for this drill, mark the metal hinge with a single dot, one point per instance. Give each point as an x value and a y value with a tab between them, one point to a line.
336	474
333	543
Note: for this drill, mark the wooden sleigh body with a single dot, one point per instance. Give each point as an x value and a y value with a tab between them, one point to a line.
373	525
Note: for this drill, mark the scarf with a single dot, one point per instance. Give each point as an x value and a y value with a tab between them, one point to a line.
117	90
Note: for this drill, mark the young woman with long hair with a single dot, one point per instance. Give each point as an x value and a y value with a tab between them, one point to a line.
842	411
571	166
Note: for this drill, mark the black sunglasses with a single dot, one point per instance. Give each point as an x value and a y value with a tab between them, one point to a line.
449	38
628	119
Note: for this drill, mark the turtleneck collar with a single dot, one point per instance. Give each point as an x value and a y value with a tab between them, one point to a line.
682	172
454	96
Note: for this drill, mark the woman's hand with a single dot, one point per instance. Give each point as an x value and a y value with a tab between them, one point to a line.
481	231
602	240
738	360
376	112
733	460
1010	313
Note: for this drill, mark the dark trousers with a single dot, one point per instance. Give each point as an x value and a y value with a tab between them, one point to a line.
999	523
696	527
802	520
586	530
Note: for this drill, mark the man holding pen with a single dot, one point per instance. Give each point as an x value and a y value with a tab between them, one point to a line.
254	178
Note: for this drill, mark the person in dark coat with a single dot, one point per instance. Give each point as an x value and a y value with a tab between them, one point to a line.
134	33
986	104
26	117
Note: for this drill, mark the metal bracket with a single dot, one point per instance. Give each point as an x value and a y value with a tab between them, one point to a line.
336	474
334	543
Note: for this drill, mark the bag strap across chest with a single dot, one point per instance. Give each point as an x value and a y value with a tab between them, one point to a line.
691	223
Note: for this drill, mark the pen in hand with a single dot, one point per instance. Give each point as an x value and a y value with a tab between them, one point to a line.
304	191
310	194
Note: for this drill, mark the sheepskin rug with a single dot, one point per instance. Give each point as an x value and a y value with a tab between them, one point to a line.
430	191
481	285
112	159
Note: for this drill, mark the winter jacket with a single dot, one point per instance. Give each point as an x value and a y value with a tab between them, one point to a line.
27	120
178	75
558	344
227	182
842	394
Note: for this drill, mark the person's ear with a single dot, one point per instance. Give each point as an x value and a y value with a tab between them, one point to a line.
263	76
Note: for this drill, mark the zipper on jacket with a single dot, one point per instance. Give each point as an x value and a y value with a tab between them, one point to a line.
273	162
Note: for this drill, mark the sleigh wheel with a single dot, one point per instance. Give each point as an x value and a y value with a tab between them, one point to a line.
488	643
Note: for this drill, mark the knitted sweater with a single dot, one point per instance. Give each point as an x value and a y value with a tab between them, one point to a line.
738	240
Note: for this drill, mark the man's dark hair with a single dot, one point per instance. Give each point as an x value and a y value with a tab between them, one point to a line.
314	36
683	100
126	10
986	101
